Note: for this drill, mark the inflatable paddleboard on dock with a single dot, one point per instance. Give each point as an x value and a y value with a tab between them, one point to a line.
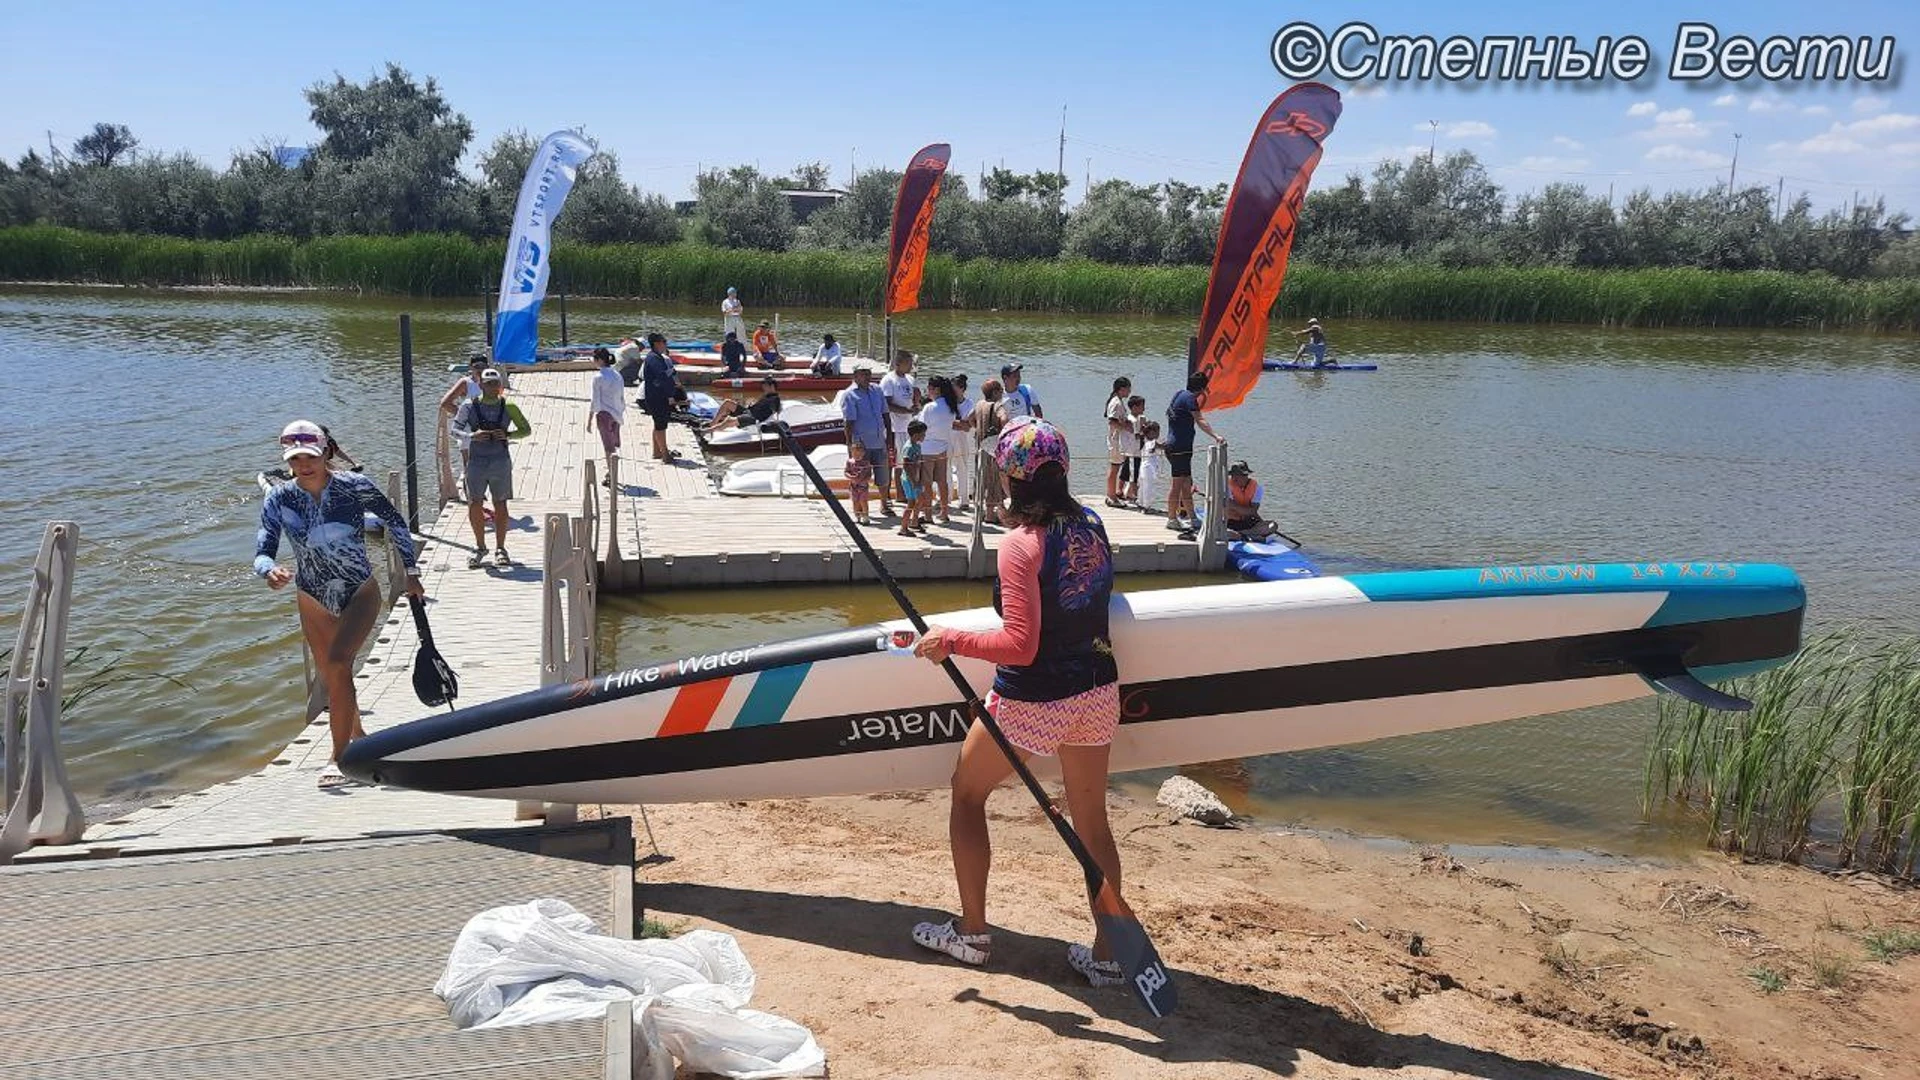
1213	672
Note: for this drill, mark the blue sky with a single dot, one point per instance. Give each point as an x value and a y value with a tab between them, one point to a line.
1151	90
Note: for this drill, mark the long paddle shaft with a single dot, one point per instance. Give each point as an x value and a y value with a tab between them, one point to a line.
1131	947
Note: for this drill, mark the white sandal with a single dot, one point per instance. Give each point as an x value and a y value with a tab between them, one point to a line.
946	938
1098	972
332	777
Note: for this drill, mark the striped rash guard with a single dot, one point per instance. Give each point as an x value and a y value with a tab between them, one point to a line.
330	553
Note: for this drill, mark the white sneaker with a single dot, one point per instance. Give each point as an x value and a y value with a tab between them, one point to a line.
1098	972
946	938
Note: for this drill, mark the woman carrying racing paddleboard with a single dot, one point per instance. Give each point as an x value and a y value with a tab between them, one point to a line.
322	512
1056	690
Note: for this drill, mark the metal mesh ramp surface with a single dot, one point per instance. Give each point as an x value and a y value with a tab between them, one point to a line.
314	960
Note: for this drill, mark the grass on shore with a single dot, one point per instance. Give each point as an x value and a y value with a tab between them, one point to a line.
1836	729
446	265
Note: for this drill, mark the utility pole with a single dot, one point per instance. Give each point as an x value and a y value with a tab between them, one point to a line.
852	173
1060	169
1780	198
1731	169
1089	187
1433	140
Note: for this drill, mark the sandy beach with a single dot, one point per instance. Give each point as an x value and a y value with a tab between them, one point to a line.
1295	954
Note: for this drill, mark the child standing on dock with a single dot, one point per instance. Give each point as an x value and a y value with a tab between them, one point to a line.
913	481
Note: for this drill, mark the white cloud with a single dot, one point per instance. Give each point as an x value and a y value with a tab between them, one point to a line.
1817	110
1725	100
1568	144
1869	105
1673	124
1885	123
1367	90
1857	136
1642	108
1669	154
1902	149
1768	105
1470	129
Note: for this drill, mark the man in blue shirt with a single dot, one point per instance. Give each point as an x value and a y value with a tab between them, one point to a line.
1183	416
863	413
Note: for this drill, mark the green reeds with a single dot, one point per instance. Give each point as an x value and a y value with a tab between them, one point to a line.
1837	728
449	265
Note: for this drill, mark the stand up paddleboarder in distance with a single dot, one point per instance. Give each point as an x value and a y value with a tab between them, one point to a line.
1056	690
1316	343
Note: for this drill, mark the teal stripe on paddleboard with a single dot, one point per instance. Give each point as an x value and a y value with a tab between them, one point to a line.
772	692
1757	589
1696	590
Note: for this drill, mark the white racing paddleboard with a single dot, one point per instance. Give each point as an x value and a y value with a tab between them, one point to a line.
1213	672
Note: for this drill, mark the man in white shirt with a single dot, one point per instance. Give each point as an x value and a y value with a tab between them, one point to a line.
1020	399
826	359
606	409
732	316
903	403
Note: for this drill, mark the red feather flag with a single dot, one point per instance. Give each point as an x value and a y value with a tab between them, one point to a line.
1256	232
912	216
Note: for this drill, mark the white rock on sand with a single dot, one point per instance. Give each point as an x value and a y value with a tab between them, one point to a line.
1190	800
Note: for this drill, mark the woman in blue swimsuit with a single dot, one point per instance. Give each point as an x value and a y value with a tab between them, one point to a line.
322	512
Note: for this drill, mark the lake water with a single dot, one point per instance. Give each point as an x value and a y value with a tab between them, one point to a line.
144	415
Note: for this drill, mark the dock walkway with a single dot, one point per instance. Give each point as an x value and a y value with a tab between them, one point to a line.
670	529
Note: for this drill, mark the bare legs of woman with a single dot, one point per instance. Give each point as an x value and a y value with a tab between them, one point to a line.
982	768
335	641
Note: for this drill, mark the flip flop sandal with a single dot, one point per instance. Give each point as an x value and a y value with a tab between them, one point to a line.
946	938
1097	972
331	777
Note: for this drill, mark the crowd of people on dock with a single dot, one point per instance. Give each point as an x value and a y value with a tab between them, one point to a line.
913	446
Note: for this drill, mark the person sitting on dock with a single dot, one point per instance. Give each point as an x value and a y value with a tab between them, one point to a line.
321	512
766	345
490	421
752	415
826	359
733	356
1316	343
1243	505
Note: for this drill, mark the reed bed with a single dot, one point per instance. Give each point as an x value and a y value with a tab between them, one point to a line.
1834	735
450	265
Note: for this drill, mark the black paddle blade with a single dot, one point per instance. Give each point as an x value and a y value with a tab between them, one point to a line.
433	680
1132	949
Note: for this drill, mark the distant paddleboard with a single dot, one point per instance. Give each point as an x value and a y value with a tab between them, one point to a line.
1213	672
1308	365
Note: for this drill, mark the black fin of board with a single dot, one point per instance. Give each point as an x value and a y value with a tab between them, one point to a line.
1673	677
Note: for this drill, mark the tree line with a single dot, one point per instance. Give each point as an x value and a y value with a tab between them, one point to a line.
388	163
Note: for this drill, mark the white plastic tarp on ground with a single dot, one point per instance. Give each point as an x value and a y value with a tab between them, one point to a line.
544	961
